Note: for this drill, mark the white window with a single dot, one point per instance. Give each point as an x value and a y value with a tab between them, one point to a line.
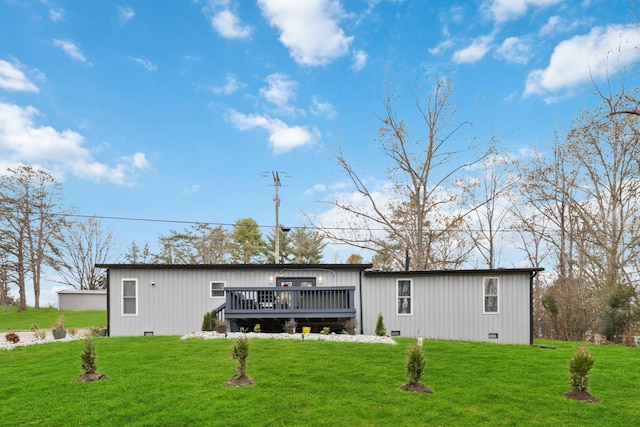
490	295
404	291
129	297
217	289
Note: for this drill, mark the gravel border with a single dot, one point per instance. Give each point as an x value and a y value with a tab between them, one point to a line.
371	339
28	338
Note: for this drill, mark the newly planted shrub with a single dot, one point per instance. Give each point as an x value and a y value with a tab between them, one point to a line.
326	330
256	328
380	329
416	362
208	322
88	358
351	326
240	353
220	326
580	369
290	326
40	334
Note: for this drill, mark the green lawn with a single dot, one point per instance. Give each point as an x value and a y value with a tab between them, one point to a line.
171	382
44	318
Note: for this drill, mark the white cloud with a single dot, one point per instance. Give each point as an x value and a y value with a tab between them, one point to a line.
138	161
317	188
322	108
605	50
70	49
282	137
359	60
148	65
13	79
194	188
475	51
56	15
441	47
309	29
514	49
280	90
22	141
126	14
231	85
229	26
556	24
508	10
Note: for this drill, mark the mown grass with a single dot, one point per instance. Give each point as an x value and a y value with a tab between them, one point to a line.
171	382
44	318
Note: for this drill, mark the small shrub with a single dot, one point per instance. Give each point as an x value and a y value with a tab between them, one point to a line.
220	326
290	326
326	330
416	363
34	327
93	331
579	369
72	331
12	337
208	322
59	325
351	326
40	334
88	358
381	331
240	353
257	328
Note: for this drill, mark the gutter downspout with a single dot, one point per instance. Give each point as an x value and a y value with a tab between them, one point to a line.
534	273
360	300
108	303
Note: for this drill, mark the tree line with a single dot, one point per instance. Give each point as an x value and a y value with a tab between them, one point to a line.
244	244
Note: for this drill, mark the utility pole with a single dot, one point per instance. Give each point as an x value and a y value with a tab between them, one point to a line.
276	199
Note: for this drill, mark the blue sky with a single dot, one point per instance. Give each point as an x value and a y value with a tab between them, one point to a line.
173	110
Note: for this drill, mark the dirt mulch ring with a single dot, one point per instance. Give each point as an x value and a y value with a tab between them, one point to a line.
416	388
581	396
239	382
84	378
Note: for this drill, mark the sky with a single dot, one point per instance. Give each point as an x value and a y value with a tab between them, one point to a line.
157	115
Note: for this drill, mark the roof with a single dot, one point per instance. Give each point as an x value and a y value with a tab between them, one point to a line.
82	291
235	266
454	272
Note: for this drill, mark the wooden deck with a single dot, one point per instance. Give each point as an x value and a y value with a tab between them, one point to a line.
290	302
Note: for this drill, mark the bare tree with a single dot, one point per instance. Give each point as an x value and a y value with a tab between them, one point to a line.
84	245
5	297
423	219
31	220
495	184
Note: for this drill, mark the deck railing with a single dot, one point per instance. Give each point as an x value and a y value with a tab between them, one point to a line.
335	301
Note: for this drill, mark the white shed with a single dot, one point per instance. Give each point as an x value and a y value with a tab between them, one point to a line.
73	299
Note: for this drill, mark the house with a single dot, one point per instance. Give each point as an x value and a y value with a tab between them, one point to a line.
74	299
475	305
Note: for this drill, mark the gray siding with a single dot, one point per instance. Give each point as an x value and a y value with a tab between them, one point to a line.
82	300
179	298
450	306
